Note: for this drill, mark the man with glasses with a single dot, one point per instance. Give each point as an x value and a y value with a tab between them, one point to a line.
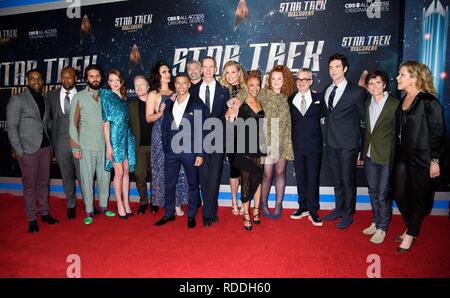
306	111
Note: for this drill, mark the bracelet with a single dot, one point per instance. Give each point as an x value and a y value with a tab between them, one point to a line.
75	149
435	160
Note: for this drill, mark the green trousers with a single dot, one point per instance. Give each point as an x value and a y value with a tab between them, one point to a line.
91	163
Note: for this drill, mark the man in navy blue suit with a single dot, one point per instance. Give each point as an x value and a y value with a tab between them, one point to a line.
306	111
182	141
344	122
215	97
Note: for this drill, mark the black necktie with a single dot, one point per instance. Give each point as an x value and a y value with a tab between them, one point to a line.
331	99
67	103
207	102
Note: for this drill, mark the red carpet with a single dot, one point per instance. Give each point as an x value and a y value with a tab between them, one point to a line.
111	247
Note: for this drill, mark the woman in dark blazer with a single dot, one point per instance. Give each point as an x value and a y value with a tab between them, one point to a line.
418	146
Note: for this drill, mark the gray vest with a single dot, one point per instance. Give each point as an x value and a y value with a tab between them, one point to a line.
62	130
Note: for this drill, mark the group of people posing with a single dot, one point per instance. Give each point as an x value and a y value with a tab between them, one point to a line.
156	135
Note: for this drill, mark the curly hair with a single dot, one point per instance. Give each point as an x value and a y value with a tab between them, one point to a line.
123	87
223	80
252	74
288	79
423	75
154	79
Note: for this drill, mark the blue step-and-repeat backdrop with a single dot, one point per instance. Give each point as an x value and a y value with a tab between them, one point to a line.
132	35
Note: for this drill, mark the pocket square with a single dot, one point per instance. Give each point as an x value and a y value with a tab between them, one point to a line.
191	113
317	102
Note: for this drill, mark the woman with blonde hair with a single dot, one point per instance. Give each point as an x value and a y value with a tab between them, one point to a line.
273	98
419	137
233	79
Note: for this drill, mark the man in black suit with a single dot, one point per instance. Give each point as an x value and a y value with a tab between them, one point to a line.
306	111
344	121
60	100
215	97
186	112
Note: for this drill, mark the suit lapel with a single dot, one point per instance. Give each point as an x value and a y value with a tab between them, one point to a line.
384	111
343	96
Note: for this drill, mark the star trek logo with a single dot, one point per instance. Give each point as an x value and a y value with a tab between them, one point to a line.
302	9
7	34
366	44
133	23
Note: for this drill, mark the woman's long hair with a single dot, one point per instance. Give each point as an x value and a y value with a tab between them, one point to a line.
223	81
154	80
288	79
123	87
423	75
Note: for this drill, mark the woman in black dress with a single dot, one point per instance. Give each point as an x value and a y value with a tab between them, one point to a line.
418	147
250	147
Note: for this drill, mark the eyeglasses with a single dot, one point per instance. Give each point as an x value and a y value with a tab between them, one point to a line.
303	80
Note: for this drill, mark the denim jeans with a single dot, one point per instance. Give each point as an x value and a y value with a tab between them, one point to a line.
378	180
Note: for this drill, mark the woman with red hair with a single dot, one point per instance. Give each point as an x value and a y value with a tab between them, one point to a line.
280	84
120	141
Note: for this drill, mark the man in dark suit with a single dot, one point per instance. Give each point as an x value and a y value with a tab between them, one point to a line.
215	97
344	121
69	167
306	111
182	141
27	117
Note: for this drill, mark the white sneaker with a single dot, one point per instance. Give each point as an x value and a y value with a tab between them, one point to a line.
179	211
370	230
378	237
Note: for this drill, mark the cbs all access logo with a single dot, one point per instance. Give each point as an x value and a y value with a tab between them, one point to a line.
365	44
197	20
41	34
372	8
302	9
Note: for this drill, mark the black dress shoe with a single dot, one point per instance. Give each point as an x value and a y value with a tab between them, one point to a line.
154	209
33	226
207	221
191	223
142	209
215	218
71	213
49	219
164	220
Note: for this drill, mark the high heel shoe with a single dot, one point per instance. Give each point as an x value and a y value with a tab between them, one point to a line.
247	221
256	219
266	213
277	213
402	250
122	216
235	209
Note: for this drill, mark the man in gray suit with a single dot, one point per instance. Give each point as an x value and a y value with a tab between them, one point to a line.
27	116
59	101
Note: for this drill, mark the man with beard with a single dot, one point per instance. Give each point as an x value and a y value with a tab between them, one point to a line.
27	117
88	142
59	101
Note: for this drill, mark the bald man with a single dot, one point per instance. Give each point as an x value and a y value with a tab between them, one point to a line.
69	166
